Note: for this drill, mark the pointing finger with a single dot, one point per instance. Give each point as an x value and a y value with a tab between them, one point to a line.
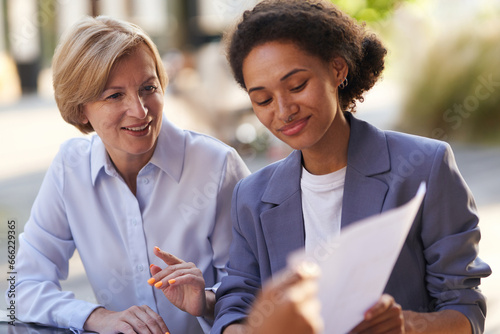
167	257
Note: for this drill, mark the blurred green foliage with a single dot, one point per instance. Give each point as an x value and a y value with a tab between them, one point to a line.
456	94
369	10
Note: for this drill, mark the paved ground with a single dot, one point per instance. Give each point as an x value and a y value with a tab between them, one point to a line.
33	130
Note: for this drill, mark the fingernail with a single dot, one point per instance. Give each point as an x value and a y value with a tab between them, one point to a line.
167	333
159	284
172	281
151	281
157	248
151	266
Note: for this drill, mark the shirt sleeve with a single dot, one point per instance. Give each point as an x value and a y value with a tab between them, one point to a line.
46	245
234	170
450	236
220	238
238	290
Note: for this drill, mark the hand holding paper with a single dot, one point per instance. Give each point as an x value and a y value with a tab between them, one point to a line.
356	268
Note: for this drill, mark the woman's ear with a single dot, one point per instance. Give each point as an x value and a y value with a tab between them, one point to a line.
83	118
340	69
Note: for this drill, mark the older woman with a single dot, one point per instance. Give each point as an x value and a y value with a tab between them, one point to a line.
127	198
304	65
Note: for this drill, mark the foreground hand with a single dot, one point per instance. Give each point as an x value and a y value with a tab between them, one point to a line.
181	282
137	319
385	316
288	304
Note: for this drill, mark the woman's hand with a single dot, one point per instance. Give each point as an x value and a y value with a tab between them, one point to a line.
182	283
386	316
137	319
287	304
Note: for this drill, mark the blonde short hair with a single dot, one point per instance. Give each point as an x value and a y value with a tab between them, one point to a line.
84	58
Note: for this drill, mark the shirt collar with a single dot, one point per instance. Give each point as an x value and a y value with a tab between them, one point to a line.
168	156
170	150
98	157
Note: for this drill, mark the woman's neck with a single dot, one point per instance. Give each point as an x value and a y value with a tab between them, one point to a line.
331	154
129	168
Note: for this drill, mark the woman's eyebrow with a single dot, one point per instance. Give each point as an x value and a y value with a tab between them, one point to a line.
292	72
151	78
254	89
286	76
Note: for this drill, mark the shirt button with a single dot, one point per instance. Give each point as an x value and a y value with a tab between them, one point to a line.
145	181
140	267
133	221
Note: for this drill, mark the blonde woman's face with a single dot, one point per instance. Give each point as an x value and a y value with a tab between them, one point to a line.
127	116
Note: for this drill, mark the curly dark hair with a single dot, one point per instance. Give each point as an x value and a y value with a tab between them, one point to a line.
320	29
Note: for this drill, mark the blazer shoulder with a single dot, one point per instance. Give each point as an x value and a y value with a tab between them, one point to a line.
414	159
407	144
257	181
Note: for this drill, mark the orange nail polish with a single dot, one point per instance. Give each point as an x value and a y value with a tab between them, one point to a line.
167	333
172	281
151	281
158	284
151	266
157	248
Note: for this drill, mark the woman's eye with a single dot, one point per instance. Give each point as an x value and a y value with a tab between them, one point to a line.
150	88
113	96
300	87
263	103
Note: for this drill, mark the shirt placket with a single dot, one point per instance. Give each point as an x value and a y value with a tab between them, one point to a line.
138	248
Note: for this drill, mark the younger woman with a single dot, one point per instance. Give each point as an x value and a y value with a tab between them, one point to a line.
304	65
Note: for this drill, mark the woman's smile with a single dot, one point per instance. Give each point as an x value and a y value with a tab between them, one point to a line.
138	130
294	128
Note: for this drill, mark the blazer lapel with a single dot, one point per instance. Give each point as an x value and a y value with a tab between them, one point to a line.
363	197
368	155
283	225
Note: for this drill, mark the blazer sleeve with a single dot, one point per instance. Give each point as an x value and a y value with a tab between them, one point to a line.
450	236
238	289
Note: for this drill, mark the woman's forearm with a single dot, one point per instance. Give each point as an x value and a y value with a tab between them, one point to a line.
236	329
442	322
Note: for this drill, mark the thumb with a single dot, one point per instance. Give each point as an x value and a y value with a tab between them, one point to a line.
167	257
154	269
383	304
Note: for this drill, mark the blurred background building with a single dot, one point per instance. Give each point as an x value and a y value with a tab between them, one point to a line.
442	80
441	53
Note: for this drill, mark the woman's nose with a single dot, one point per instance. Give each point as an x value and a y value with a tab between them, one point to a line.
286	109
138	108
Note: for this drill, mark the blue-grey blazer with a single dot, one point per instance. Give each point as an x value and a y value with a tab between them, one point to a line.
438	267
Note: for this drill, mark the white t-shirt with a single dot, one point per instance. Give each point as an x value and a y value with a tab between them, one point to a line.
321	206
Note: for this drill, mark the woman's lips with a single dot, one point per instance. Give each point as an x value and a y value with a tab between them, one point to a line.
138	129
295	127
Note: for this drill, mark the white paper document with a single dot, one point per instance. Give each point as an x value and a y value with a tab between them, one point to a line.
356	266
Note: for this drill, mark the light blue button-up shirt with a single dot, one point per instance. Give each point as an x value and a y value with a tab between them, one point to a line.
182	205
